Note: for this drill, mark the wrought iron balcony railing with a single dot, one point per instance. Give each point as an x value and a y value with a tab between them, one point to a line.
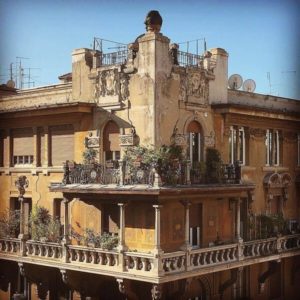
122	173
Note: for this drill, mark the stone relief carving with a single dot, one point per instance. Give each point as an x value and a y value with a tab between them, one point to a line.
290	137
194	87
92	141
209	140
109	82
112	83
124	86
127	140
257	133
183	88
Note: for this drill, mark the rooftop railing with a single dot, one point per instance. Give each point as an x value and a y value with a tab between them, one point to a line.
186	59
115	58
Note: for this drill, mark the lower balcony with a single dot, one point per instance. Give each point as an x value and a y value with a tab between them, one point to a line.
158	267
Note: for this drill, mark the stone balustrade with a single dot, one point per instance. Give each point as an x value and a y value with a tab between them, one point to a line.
43	250
174	262
10	245
138	261
149	265
260	247
214	255
92	256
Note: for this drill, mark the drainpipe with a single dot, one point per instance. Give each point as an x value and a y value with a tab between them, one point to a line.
263	277
229	282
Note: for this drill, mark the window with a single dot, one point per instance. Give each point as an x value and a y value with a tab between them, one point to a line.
111	145
237	145
195	142
272	143
23	159
23	146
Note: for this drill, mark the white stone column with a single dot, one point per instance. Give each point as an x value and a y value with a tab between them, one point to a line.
187	205
122	226
35	147
157	248
239	239
66	237
22	221
238	219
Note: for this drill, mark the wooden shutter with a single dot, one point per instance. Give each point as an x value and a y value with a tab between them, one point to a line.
111	137
23	141
42	145
62	144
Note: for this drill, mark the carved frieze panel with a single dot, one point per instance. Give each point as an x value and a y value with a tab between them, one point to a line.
194	87
127	139
112	85
290	136
209	140
92	141
180	139
257	133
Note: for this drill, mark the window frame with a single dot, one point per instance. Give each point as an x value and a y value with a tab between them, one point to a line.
234	136
272	140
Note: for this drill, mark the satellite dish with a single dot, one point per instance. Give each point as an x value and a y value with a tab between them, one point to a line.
10	83
235	81
249	85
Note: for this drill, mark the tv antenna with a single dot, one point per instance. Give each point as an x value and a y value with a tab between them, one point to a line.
235	81
249	85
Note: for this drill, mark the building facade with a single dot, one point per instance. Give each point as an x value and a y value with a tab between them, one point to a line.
141	175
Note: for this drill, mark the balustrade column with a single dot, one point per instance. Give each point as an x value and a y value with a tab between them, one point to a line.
22	235
65	202
238	229
186	205
66	238
122	226
22	221
157	248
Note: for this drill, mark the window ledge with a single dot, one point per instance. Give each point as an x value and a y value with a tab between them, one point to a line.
275	169
32	170
248	168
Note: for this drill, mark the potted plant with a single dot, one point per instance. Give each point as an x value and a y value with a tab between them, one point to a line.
213	165
9	223
42	226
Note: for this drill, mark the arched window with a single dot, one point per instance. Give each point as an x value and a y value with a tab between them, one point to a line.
111	146
195	142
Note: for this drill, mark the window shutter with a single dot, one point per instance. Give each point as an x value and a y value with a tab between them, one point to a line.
62	144
23	142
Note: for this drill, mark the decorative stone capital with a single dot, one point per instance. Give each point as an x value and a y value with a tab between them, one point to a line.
156	292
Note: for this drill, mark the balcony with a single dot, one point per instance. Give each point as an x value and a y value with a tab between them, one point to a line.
150	267
122	173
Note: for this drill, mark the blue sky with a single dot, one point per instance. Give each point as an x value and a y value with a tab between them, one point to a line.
260	36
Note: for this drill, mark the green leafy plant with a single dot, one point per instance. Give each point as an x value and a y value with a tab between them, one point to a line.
213	166
42	226
108	241
92	239
165	160
9	223
89	155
